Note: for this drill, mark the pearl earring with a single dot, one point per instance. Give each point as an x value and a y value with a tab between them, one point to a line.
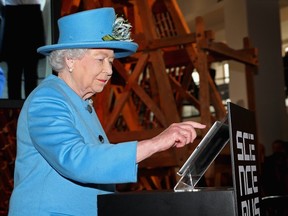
70	70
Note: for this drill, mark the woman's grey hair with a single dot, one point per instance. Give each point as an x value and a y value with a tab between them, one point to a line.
57	57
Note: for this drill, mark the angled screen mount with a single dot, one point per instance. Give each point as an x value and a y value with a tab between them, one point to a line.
203	156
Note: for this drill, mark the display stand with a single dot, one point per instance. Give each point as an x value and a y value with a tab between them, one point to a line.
242	199
203	156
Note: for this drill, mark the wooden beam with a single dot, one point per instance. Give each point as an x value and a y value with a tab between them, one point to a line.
216	100
243	56
202	68
124	96
250	72
123	136
184	93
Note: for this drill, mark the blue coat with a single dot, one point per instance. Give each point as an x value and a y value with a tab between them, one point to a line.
61	164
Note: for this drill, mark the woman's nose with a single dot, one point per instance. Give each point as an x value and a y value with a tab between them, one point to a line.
108	68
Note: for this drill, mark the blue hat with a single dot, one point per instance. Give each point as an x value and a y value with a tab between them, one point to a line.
97	28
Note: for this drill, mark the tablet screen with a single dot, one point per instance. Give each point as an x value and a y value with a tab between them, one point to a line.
205	153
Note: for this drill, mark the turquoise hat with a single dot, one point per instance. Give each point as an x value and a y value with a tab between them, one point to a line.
96	28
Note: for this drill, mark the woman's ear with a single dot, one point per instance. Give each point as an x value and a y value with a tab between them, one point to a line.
70	64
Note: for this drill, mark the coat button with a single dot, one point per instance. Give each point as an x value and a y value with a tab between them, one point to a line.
89	108
101	139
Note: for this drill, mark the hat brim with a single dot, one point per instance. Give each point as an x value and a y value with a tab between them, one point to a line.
121	48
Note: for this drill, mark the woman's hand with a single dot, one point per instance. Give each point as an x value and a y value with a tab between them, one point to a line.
177	134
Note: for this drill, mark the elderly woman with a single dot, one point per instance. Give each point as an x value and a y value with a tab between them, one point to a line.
64	159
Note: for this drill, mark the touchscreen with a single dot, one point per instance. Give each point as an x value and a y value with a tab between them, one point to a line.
202	157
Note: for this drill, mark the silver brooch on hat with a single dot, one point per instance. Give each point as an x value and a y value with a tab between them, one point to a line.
121	30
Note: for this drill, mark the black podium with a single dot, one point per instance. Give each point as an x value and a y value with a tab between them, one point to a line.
241	200
205	202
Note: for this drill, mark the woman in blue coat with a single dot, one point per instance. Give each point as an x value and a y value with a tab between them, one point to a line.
64	159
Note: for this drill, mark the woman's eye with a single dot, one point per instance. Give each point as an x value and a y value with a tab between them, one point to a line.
100	60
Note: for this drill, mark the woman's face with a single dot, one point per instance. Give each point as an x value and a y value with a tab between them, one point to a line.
91	73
